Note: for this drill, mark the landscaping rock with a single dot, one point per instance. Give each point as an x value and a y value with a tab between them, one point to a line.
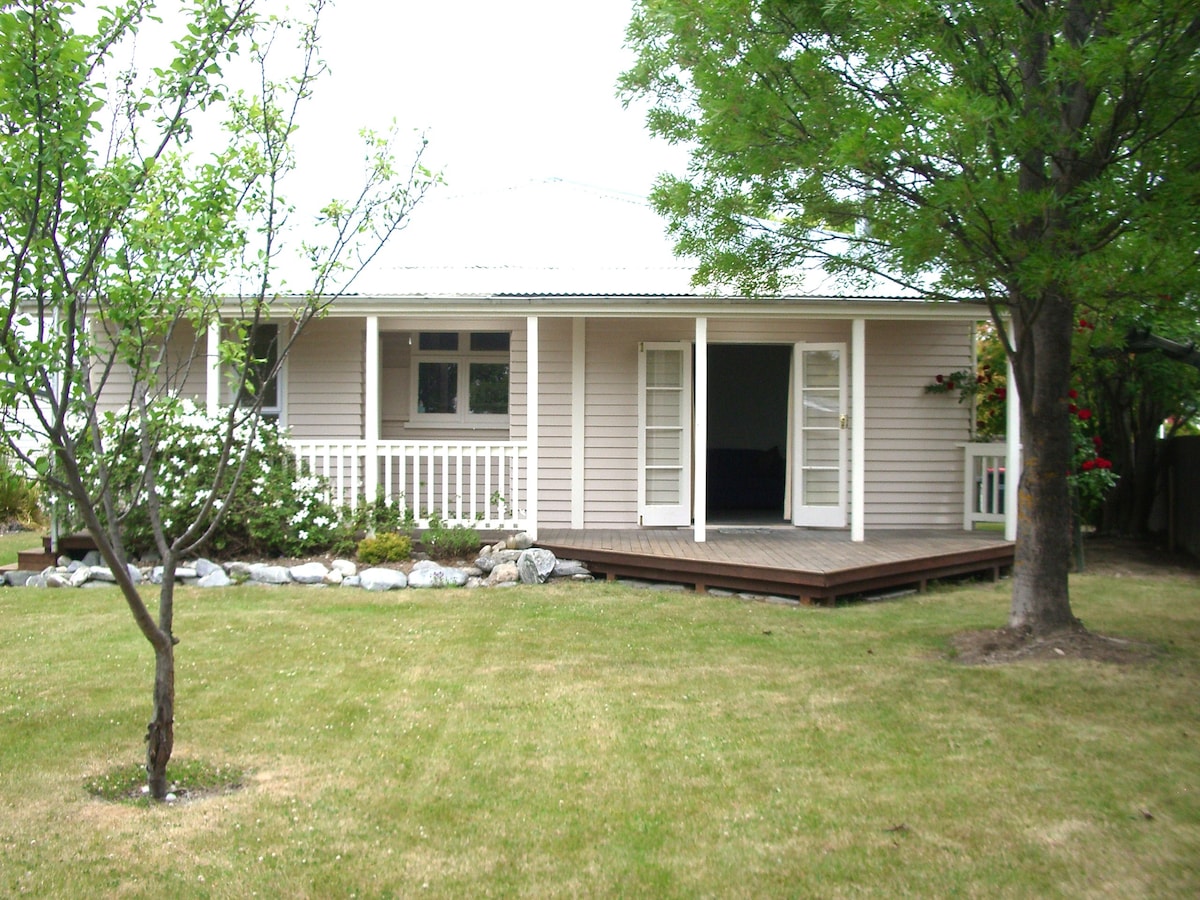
308	573
428	574
55	580
381	579
80	576
264	574
521	541
205	567
333	577
352	581
215	578
569	568
535	566
504	573
239	571
344	566
20	577
92	558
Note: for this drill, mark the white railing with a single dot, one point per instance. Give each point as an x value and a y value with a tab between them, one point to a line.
481	485
984	484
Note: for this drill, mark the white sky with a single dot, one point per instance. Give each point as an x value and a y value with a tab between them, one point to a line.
508	91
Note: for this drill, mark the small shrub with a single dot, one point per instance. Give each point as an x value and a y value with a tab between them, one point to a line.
387	547
449	543
18	496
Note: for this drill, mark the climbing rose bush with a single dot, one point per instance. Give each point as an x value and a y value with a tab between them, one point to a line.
276	510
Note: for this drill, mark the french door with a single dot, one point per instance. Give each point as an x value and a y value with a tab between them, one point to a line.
665	433
819	434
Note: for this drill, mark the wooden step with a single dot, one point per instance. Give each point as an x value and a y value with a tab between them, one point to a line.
34	560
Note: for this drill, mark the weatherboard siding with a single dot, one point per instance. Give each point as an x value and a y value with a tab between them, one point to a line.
323	380
914	456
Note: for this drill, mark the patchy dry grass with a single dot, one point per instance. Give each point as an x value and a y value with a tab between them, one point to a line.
597	740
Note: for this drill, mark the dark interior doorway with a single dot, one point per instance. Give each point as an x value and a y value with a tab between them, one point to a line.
747	431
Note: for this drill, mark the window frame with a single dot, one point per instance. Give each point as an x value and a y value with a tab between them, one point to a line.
463	358
275	410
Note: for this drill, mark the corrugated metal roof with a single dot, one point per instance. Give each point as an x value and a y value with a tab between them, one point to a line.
555	238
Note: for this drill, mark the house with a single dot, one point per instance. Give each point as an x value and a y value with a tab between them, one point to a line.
567	375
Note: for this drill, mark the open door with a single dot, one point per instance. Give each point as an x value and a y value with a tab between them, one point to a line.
820	436
665	433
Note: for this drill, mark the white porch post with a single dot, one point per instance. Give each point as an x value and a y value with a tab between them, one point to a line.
371	409
700	437
578	410
1012	464
531	424
212	382
858	429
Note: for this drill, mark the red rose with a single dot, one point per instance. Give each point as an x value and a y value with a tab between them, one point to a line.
979	379
938	378
1073	394
1072	409
1088	465
1085	414
1001	393
949	385
1102	463
1097	441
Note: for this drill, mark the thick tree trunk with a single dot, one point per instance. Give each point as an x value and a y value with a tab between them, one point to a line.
1041	597
160	733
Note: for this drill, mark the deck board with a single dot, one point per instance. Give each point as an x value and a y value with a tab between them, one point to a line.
808	564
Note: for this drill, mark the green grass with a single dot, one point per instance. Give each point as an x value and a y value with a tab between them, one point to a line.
597	740
11	543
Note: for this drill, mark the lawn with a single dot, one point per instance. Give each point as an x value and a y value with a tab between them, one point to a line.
598	740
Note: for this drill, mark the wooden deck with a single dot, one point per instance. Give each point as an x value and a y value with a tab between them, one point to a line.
810	565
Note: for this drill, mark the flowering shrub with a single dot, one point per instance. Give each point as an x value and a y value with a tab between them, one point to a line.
1091	474
276	510
988	391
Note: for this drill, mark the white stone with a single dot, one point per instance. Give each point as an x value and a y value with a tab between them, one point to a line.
535	566
204	567
569	568
264	574
344	566
80	576
352	581
215	578
334	577
54	580
308	573
428	574
378	579
505	573
521	541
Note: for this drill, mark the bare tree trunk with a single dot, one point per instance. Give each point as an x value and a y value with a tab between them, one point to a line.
1041	597
160	733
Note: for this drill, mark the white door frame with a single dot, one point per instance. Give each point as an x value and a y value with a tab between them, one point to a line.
827	515
678	422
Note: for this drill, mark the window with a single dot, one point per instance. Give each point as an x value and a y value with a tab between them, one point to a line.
263	348
461	378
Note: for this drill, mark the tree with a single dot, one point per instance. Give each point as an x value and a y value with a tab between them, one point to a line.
1035	154
122	232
